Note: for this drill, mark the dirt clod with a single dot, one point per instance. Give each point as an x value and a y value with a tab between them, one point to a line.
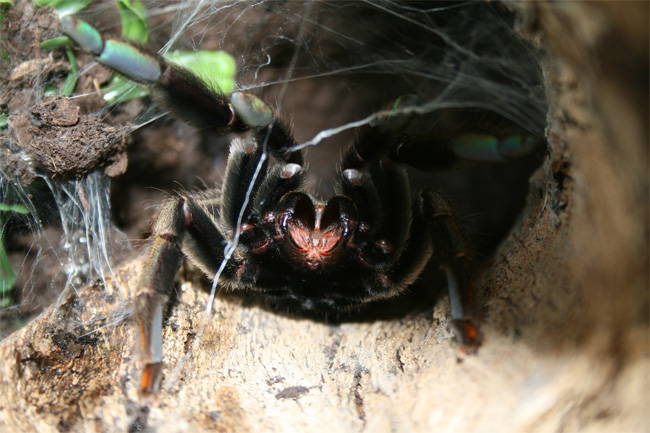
67	144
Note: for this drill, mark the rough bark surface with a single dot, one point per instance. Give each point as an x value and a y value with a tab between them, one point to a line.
565	304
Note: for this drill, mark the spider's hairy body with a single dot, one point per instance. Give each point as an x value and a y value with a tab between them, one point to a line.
300	252
368	242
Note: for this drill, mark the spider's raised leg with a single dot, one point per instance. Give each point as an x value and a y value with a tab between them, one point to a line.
442	144
448	141
183	93
391	239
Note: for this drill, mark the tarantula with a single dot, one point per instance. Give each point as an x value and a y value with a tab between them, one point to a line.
368	242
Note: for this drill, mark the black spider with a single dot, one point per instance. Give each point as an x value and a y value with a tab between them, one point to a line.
368	242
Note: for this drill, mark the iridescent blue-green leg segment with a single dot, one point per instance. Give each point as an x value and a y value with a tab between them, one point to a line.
184	94
440	147
117	55
485	147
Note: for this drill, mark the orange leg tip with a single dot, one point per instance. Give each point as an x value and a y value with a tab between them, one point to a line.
150	381
466	335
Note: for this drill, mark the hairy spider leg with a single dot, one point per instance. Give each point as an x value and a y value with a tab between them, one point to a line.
180	221
183	93
453	251
393	241
152	293
187	226
381	190
439	147
442	152
387	240
246	154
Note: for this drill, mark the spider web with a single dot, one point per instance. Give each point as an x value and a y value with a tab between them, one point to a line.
326	67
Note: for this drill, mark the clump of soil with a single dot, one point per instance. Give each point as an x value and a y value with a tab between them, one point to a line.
65	144
48	136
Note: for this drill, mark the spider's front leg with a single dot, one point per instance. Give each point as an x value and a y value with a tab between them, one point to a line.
399	244
443	145
184	94
187	226
194	228
182	227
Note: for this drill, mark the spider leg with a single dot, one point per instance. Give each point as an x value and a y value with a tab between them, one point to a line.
373	181
163	262
185	94
181	227
387	240
451	136
248	161
382	194
453	252
438	153
441	146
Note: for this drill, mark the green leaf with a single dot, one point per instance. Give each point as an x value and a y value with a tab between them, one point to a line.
73	76
4	207
120	90
7	277
50	89
134	20
4	4
56	43
65	7
3	121
217	68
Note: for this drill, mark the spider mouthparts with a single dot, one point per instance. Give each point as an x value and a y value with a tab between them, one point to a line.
313	264
315	234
